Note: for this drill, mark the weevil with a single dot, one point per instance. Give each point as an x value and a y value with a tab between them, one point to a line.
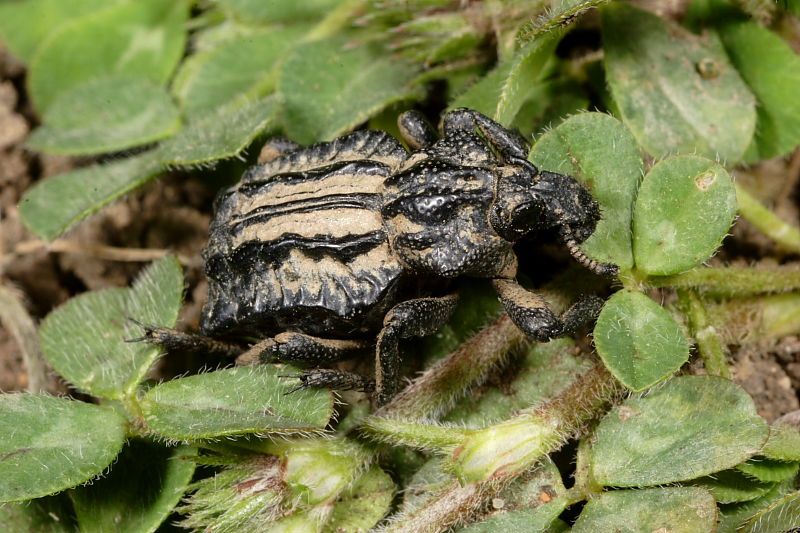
342	248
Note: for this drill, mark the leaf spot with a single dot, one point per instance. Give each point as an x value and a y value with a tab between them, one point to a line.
705	180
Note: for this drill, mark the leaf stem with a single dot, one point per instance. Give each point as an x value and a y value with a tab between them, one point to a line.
98	251
19	323
486	465
709	343
767	221
333	23
734	281
415	434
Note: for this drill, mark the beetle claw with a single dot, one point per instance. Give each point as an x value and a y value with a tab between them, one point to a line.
302	385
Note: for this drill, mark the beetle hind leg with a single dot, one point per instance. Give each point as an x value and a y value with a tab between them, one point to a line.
276	147
173	339
530	312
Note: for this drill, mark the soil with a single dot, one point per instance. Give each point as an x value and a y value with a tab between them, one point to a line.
172	214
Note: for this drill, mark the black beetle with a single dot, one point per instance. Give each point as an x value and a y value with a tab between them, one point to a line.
324	247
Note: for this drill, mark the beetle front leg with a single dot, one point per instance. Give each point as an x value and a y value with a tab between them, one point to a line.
413	318
529	311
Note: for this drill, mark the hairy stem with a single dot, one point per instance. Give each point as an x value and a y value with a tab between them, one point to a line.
490	458
734	281
767	222
709	343
757	319
414	434
338	18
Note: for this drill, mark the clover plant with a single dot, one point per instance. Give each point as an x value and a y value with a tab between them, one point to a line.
655	121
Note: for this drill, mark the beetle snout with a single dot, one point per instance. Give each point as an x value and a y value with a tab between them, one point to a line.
567	204
584	216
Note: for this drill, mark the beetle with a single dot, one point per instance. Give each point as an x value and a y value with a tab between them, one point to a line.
340	248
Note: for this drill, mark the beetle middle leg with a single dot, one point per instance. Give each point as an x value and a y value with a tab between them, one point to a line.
529	311
303	350
412	318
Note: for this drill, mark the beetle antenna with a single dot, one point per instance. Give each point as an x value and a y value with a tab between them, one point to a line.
607	270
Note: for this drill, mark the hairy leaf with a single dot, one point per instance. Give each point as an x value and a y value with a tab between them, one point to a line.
673	509
84	339
601	153
218	134
234	401
730	486
691	427
685	207
49	444
258	11
328	88
236	70
677	92
142	38
53	205
772	71
105	115
144	486
638	340
783	515
26	24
